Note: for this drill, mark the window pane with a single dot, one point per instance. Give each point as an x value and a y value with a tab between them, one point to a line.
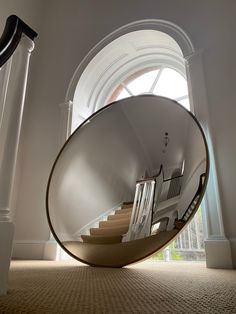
171	84
143	83
185	102
123	94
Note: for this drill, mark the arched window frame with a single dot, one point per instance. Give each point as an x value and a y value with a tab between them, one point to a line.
140	82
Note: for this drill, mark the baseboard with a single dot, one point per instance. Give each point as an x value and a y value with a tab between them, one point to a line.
233	250
218	253
24	249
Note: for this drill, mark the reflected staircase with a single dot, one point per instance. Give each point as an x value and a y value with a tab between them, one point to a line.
135	220
112	230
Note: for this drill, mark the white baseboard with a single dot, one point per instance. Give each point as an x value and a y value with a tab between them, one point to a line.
218	253
28	249
233	250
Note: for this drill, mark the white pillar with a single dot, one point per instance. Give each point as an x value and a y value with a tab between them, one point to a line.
217	246
167	254
52	249
10	126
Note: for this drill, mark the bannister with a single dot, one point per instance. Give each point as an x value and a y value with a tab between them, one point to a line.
11	37
170	179
16	45
142	212
193	203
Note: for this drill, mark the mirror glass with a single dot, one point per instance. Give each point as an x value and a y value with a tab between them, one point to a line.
127	181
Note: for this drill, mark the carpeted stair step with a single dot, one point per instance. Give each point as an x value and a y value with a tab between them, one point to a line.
113	223
123	211
96	239
119	216
127	205
113	231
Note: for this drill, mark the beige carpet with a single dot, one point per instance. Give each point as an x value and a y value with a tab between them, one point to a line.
69	287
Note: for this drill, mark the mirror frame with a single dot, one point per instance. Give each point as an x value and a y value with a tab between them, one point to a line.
179	229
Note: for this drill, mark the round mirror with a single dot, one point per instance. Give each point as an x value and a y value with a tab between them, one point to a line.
127	181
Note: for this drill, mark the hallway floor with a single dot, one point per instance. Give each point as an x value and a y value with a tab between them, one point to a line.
147	287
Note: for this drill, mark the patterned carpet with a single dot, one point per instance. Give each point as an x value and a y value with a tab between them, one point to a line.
69	287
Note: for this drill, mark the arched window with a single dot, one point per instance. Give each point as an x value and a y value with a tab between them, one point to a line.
161	80
115	71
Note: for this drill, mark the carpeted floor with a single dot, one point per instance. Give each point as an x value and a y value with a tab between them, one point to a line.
69	287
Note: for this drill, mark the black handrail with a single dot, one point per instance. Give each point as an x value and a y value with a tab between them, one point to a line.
166	180
196	194
11	37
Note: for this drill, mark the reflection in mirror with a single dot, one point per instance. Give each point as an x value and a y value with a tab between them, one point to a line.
127	181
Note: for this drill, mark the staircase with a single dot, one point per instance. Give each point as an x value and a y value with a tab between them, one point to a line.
112	230
134	220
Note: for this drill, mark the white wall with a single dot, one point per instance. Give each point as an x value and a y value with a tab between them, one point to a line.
69	30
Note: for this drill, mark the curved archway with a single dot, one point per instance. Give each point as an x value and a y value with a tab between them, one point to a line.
166	27
129	49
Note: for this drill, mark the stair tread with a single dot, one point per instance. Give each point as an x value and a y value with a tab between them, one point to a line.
113	231
123	211
119	216
126	205
114	222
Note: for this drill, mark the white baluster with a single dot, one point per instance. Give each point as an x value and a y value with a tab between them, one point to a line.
133	214
144	194
148	211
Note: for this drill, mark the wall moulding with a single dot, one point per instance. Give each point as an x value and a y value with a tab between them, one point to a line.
28	249
169	28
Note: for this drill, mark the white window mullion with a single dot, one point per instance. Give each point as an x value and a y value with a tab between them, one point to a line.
156	80
127	89
181	98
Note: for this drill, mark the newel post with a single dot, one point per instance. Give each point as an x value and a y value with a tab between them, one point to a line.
12	96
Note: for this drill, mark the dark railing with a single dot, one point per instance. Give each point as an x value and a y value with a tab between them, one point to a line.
193	203
11	37
170	179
